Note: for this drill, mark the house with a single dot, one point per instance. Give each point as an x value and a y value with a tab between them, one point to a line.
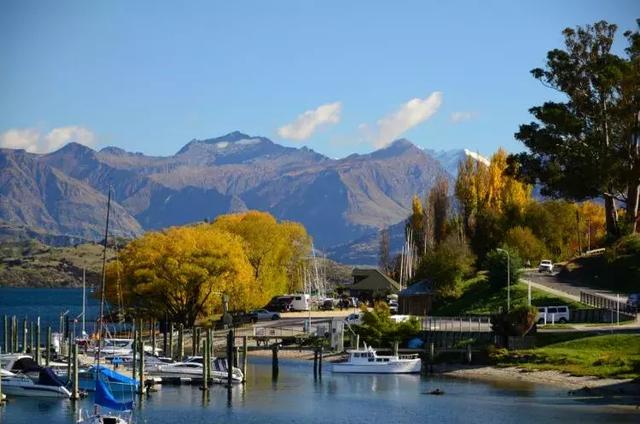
416	299
371	284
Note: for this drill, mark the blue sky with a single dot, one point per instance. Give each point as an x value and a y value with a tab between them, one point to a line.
149	76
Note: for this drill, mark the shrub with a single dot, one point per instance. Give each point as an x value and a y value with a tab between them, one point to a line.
378	329
516	322
498	265
529	247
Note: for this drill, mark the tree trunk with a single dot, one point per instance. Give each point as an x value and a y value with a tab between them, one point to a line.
633	198
611	215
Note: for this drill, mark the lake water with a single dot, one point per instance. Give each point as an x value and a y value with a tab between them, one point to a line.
341	398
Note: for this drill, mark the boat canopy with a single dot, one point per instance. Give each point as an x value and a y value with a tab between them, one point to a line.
105	398
48	378
115	376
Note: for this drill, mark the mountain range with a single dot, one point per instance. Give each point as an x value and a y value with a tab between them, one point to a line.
340	201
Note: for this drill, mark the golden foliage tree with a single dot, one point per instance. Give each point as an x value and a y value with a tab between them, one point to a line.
276	251
181	273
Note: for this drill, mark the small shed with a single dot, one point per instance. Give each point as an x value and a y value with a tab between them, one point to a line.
416	299
369	284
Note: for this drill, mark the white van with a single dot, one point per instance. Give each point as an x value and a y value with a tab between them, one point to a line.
300	302
553	314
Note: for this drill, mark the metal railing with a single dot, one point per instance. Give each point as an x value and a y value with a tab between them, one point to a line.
469	323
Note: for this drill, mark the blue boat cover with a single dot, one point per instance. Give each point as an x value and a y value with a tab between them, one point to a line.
105	398
115	376
48	378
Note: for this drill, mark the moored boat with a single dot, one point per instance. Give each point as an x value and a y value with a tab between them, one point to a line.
367	361
47	385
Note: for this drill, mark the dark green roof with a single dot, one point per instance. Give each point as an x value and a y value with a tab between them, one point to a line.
374	280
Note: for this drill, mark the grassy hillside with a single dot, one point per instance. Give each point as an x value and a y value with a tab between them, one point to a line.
33	264
613	355
479	298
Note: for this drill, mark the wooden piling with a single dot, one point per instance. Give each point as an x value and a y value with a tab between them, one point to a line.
164	337
37	342
171	341
24	335
315	363
14	334
357	341
180	342
134	351
274	362
31	334
70	347
141	354
48	347
5	335
208	351
152	325
205	365
230	361
245	357
396	345
320	363
196	341
75	395
469	358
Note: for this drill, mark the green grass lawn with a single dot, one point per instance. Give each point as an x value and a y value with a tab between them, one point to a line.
479	298
614	355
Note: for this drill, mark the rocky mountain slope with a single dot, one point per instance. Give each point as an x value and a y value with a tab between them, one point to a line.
339	201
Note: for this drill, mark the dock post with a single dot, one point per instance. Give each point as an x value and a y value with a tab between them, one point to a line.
5	335
245	351
47	352
357	341
208	351
196	341
230	360
70	344
315	363
274	362
31	333
171	341
395	348
74	380
180	342
165	323
153	336
320	363
24	335
14	334
469	353
37	342
432	356
141	353
134	351
205	365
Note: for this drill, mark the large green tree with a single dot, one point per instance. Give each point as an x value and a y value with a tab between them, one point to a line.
587	146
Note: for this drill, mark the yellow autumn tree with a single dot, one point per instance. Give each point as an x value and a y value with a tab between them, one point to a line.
275	250
592	224
182	272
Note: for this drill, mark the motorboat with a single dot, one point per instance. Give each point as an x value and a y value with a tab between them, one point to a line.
104	399
367	361
47	385
192	368
119	347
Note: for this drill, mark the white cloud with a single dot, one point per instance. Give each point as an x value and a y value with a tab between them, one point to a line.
33	141
458	117
307	123
412	113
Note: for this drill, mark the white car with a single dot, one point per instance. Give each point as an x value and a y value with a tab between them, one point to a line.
263	314
354	319
545	266
553	314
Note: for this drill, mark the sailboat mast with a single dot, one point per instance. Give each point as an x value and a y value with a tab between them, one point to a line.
104	278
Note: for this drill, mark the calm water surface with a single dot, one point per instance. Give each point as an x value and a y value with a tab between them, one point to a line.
296	398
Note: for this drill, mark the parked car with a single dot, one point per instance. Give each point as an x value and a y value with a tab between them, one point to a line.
354	319
280	304
559	314
633	301
545	266
328	305
264	314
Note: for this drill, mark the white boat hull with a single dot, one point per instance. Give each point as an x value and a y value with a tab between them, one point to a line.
34	390
412	366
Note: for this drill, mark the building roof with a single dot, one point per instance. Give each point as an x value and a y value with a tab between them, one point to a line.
419	288
373	280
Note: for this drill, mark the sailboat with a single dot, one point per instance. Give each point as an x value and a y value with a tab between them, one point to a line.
103	396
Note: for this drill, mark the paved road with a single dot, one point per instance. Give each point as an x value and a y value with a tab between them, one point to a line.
570	289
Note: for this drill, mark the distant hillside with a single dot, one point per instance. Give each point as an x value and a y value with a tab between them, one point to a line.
62	194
